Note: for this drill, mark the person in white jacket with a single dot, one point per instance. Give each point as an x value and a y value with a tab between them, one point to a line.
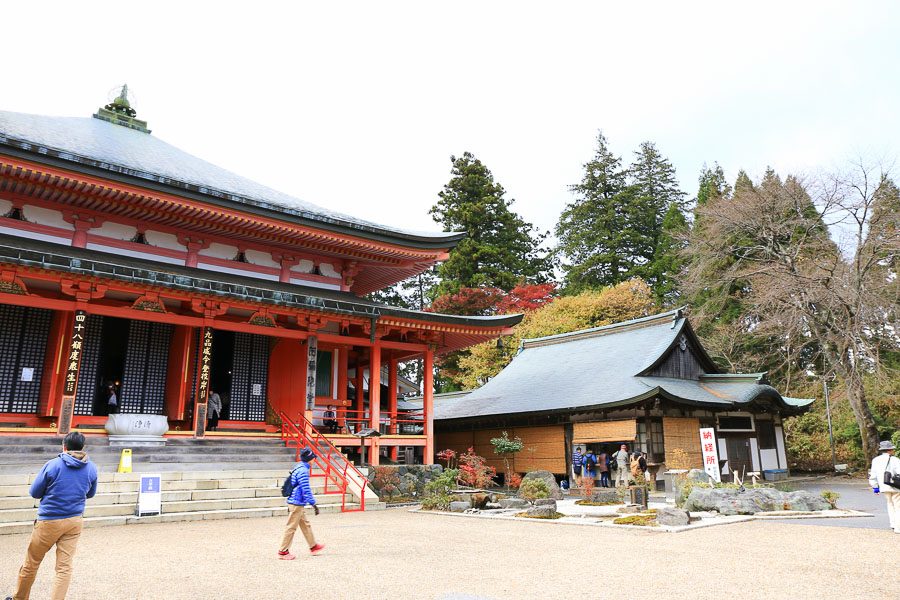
886	461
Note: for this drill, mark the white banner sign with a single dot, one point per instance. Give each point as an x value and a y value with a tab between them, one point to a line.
150	495
710	453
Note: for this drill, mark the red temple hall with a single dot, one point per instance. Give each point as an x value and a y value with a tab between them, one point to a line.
129	264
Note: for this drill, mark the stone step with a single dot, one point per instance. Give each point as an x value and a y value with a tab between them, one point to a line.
105	495
244	513
139	467
159	457
173	506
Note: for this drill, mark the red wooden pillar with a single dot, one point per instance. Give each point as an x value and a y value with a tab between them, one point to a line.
374	400
428	405
54	367
392	404
178	375
343	373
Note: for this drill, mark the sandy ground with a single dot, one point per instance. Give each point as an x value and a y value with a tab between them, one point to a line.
395	554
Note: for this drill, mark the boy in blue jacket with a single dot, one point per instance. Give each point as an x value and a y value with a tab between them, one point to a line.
62	486
299	498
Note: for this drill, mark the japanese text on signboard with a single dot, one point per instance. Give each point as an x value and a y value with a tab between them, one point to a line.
73	358
710	453
312	354
205	365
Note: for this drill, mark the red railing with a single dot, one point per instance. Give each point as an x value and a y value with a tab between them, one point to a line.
350	421
334	465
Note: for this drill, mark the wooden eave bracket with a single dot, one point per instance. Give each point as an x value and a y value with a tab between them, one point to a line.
262	318
83	291
10	283
150	302
208	308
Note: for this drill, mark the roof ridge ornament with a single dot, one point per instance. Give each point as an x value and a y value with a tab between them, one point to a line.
120	112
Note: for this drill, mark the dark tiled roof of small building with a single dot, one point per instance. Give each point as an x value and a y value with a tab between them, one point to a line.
606	367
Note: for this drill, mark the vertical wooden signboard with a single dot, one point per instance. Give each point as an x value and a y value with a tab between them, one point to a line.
312	353
73	363
203	382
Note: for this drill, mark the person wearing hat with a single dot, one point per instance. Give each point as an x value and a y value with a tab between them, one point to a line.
297	501
886	462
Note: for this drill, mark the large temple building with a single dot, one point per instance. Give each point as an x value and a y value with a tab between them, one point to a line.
128	264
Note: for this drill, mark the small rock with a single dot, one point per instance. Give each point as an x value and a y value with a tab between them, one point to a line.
629	510
545	502
672	516
605	497
514	503
541	511
458	506
492	506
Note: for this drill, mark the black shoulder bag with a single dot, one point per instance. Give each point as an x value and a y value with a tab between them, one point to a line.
889	478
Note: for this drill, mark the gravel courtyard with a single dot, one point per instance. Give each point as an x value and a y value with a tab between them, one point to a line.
394	554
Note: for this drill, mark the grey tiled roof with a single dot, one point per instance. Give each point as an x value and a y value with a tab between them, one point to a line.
114	148
602	367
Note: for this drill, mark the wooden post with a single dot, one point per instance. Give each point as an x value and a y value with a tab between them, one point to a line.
374	400
204	367
428	405
72	363
394	428
54	363
360	392
343	375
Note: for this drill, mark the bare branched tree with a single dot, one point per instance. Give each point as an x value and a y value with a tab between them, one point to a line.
814	264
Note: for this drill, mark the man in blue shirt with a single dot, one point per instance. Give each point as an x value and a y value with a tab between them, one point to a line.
299	498
62	486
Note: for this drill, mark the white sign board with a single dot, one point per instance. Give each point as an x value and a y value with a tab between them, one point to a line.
27	373
150	495
256	389
710	453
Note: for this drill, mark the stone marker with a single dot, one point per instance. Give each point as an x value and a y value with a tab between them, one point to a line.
541	511
605	497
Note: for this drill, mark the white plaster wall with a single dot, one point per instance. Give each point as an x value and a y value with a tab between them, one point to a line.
217	250
45	216
754	453
779	444
327	269
31	235
241	272
263	259
315	284
116	231
769	459
5	206
164	240
136	254
304	266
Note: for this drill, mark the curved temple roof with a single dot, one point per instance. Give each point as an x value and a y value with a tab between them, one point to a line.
607	367
80	143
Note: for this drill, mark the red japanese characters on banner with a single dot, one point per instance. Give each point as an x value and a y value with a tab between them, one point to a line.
710	453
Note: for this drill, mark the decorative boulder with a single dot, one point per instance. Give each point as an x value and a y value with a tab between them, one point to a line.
480	500
514	503
731	501
605	497
806	501
459	506
492	506
675	517
549	479
546	502
625	510
541	511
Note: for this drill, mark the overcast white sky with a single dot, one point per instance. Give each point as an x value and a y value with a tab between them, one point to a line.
358	106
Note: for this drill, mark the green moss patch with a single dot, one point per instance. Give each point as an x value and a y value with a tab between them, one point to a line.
525	515
642	520
592	503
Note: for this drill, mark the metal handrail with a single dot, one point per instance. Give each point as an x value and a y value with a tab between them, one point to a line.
331	472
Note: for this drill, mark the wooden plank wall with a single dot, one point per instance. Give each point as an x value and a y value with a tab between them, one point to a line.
544	447
604	431
683	433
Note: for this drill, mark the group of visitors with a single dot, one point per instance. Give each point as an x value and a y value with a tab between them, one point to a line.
626	466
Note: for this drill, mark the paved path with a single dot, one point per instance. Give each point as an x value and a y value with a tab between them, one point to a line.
855	494
397	555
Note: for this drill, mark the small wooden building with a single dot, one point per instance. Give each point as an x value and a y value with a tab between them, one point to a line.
647	383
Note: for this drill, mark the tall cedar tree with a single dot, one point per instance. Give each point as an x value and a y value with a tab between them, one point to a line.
797	283
501	249
623	222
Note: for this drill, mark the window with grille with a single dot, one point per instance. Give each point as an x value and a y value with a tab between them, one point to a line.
323	373
88	378
23	346
651	441
249	378
766	435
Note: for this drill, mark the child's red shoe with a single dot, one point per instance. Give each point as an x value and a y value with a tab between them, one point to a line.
317	548
286	556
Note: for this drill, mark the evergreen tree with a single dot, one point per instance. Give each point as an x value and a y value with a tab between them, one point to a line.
713	184
501	249
591	229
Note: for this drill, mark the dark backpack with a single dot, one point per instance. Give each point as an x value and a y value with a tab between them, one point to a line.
590	461
287	488
613	463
